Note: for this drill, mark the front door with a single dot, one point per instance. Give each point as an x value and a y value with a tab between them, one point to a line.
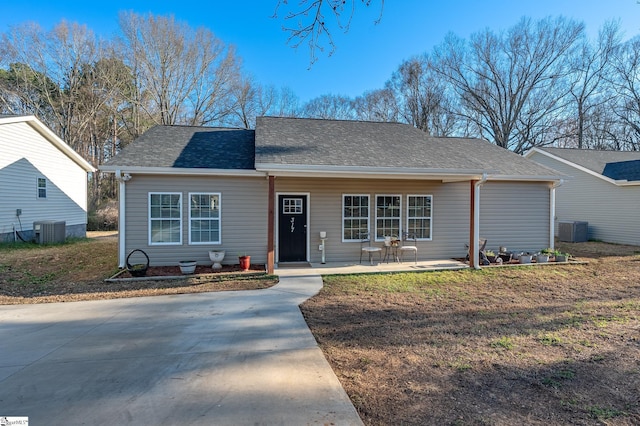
292	228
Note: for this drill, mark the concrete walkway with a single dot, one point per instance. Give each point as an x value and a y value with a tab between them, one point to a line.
228	358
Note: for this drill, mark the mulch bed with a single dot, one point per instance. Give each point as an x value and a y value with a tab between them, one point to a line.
174	271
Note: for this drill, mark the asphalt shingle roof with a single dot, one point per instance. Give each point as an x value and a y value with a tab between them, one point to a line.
313	143
295	141
189	147
618	165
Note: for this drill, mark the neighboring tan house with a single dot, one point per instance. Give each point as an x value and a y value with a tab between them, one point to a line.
270	192
41	180
603	190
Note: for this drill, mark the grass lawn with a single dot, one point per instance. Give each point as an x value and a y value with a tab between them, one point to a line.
546	345
76	270
537	345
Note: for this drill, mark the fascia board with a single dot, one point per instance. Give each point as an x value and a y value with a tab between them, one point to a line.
180	171
372	172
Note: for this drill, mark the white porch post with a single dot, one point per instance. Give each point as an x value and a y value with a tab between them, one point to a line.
552	212
476	220
122	179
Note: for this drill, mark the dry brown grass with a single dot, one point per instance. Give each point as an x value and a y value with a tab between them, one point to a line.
76	271
551	345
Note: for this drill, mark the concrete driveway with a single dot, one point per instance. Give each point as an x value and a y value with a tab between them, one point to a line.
229	358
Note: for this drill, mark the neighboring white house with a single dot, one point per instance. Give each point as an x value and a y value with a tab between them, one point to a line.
603	190
41	179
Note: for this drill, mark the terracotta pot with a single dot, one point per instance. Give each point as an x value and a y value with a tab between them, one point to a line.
245	262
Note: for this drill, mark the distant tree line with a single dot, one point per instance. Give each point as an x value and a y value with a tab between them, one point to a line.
537	83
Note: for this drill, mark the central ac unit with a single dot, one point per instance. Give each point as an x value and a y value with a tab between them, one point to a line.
49	231
573	232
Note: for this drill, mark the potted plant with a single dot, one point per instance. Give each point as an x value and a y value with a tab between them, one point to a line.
216	257
245	262
525	257
542	257
187	266
561	257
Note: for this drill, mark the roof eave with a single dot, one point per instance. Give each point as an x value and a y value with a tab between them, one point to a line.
298	170
180	171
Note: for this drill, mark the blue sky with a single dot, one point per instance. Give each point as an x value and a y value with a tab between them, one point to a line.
365	57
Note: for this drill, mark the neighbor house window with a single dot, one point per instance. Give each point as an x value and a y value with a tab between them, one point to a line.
165	218
42	188
355	217
419	216
204	218
387	216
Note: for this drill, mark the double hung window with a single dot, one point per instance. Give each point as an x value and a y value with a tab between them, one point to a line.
355	217
204	218
387	216
419	216
165	218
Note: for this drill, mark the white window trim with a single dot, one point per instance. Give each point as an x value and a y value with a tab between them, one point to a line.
368	216
199	243
430	217
149	218
46	184
375	207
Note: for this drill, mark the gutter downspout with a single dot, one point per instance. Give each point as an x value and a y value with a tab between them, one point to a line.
122	179
476	221
552	212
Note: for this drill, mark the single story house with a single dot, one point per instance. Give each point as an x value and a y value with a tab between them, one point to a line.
41	180
269	193
603	190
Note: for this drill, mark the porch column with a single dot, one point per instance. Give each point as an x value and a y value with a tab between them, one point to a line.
552	212
271	226
473	254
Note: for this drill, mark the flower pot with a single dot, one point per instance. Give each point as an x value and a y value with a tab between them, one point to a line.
216	257
187	266
245	262
561	258
525	258
138	269
542	258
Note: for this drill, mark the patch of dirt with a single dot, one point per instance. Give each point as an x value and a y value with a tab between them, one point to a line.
555	345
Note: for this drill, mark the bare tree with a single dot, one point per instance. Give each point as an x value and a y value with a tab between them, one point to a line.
187	74
510	84
422	96
310	22
627	86
590	66
377	105
329	107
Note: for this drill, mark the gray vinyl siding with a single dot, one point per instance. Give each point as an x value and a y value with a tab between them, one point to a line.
612	211
515	215
243	218
450	215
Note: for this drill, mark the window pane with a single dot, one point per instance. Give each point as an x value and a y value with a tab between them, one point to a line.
355	216
419	216
205	223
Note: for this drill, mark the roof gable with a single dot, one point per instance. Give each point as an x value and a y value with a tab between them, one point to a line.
615	165
49	136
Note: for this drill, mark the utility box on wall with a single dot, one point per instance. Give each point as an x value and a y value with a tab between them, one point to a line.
49	231
573	232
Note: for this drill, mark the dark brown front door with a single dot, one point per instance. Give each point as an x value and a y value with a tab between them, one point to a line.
292	228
